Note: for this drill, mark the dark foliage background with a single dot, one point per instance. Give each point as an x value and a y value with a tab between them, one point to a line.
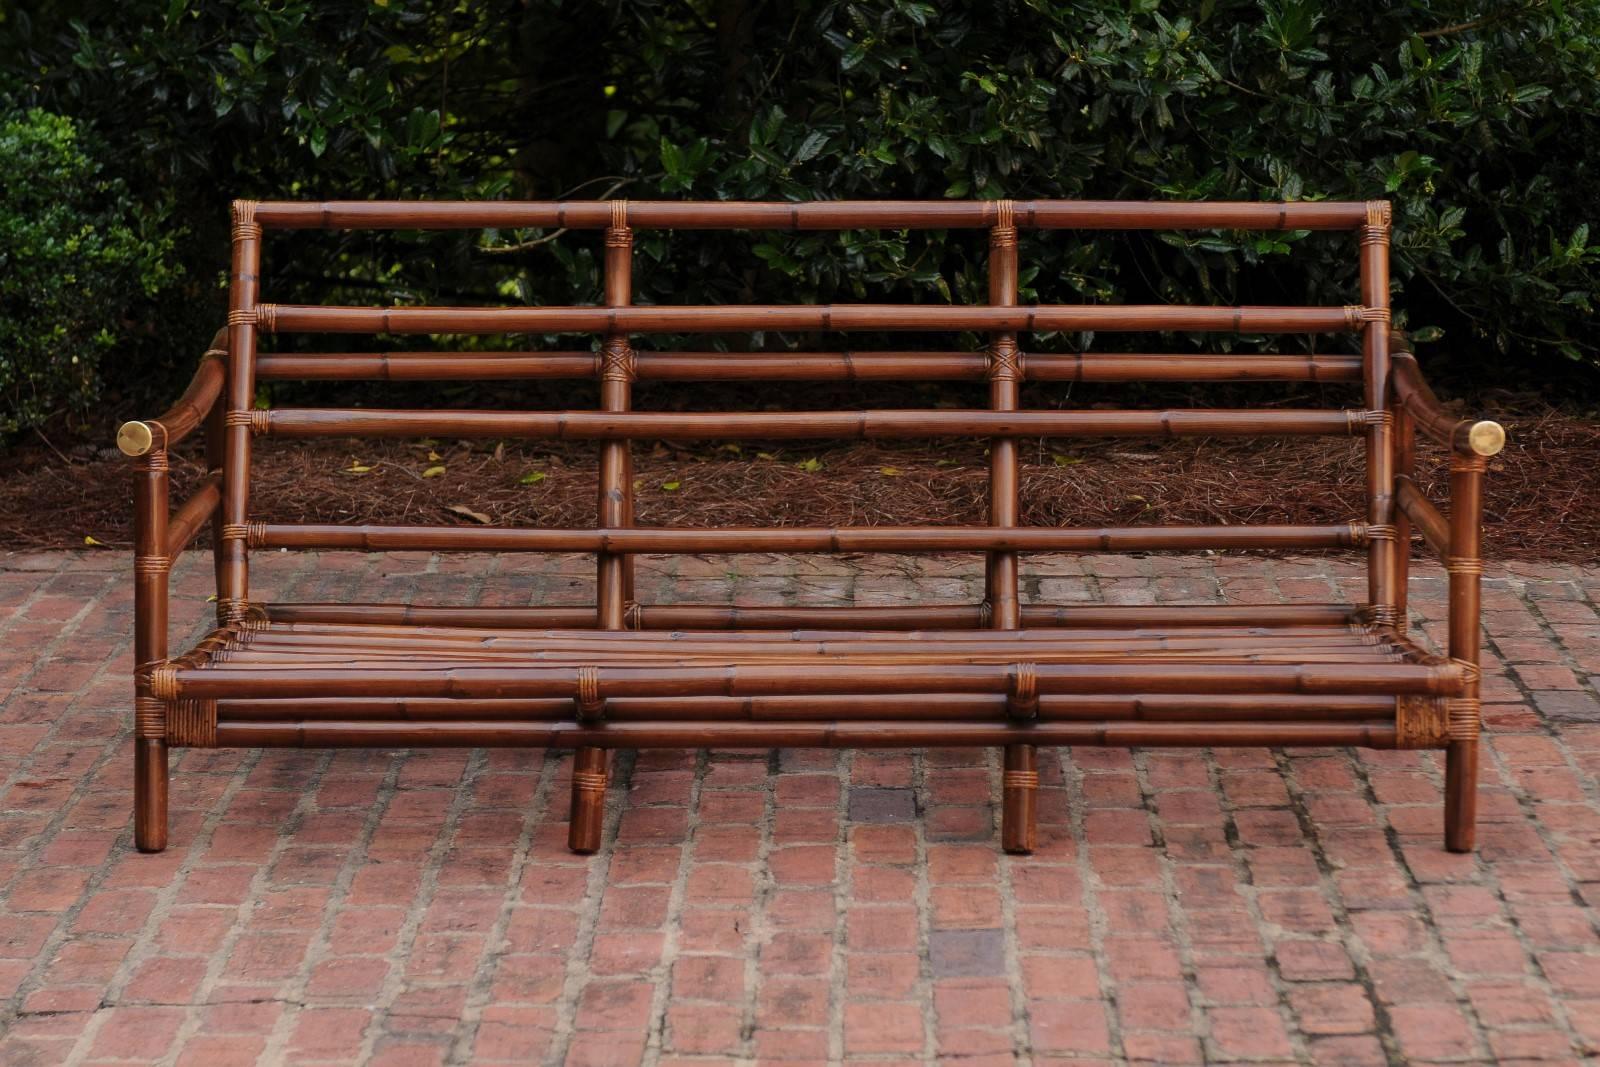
1478	119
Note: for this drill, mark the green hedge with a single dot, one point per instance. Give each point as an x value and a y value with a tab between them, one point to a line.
1479	121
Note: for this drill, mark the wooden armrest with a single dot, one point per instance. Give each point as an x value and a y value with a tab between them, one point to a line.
136	438
1470	437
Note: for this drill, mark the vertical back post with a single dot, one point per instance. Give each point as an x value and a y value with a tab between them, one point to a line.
614	509
1020	777
233	572
1373	317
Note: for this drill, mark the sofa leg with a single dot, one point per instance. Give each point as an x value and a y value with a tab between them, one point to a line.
1019	787
588	800
149	794
1460	795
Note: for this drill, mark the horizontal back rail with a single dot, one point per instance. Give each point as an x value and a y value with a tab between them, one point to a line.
812	215
807	366
798	425
744	318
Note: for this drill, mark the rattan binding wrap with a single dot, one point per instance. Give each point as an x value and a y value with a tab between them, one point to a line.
1420	722
193	723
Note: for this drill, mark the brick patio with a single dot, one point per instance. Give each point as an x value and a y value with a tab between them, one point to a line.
420	908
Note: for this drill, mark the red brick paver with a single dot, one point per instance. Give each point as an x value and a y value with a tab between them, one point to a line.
420	907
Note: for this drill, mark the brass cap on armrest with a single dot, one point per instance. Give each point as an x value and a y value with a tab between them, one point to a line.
135	438
1486	438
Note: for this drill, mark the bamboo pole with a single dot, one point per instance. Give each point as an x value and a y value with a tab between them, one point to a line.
195	512
807	366
151	567
361	734
221	680
138	438
1465	567
615	490
931	707
625	541
1419	511
800	425
1467	437
307	318
730	618
814	215
1382	567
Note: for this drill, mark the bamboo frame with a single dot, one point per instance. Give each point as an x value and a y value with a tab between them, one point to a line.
620	674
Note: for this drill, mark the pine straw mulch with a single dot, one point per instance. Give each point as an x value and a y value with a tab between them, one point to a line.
1543	499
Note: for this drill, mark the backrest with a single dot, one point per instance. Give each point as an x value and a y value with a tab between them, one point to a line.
612	425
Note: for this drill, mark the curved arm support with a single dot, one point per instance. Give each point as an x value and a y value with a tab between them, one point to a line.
1468	437
138	438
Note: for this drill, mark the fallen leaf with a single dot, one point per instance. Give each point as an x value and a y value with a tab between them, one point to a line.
892	472
433	457
735	449
1065	461
468	513
91	541
433	472
532	478
357	468
811	465
671	487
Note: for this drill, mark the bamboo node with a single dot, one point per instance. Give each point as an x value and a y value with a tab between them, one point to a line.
1023	702
591	782
1420	722
164	683
1019	779
193	723
1463	565
1004	362
617	361
151	565
591	705
149	718
1464	719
